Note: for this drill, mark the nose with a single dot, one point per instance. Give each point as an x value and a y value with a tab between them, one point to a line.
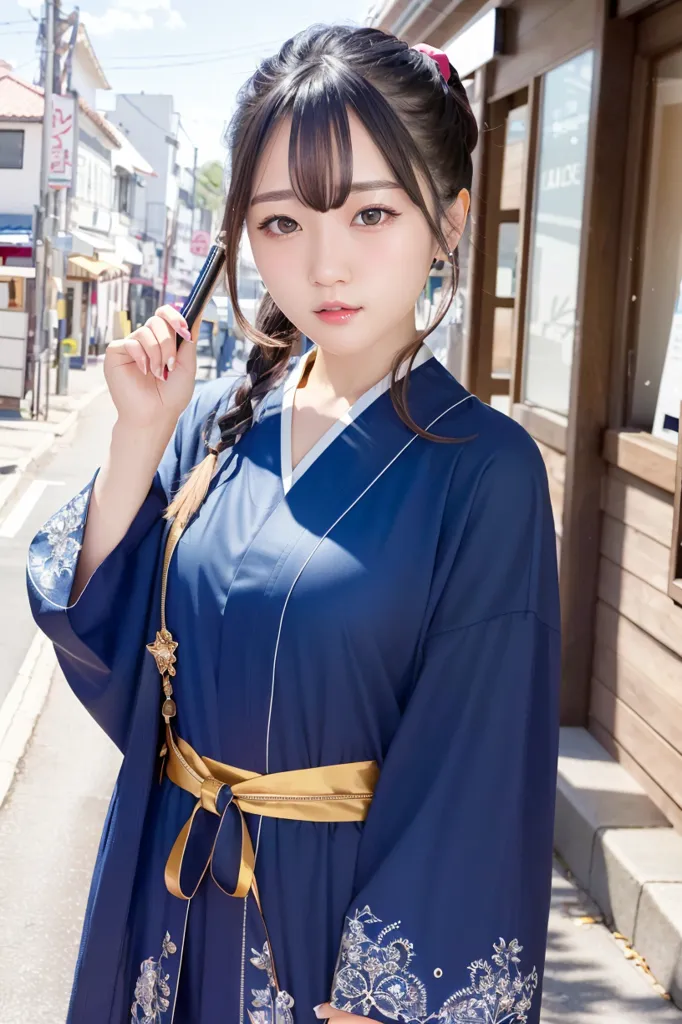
330	262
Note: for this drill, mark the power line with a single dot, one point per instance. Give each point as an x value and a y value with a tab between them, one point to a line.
186	133
166	131
19	21
199	53
174	64
18	67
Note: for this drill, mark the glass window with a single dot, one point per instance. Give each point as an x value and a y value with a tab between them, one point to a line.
556	231
11	150
507	256
502	341
514	153
657	388
12	290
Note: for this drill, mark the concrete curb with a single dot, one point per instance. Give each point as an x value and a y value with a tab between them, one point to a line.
22	706
9	483
623	852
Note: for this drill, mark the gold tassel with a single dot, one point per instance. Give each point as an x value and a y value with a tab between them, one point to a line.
193	491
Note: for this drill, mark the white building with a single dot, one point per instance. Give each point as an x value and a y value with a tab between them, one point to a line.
100	214
21	117
150	124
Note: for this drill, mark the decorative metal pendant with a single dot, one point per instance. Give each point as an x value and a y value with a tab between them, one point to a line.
168	709
162	651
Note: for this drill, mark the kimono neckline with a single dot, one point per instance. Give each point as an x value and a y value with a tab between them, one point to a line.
291	474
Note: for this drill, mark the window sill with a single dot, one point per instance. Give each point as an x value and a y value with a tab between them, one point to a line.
548	427
642	455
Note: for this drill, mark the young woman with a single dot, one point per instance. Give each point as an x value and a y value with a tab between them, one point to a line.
356	621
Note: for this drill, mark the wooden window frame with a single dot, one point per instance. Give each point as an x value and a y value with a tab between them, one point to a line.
478	376
548	427
638	452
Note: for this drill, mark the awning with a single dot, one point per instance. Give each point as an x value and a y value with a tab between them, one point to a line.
18	238
93	270
88	243
128	252
6	270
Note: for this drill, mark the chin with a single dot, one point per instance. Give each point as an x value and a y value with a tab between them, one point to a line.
340	342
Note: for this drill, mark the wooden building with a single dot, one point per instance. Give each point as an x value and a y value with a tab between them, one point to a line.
572	323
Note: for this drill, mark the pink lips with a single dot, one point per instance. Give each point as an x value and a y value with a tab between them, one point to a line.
337	316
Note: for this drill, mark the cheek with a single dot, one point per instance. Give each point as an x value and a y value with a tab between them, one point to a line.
398	268
279	265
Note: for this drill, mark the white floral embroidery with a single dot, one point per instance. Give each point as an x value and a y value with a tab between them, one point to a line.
152	991
54	552
271	1006
372	974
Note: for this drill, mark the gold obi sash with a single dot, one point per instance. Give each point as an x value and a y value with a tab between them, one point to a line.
340	792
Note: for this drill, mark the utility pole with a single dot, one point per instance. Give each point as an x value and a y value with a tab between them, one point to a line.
194	189
171	224
43	225
168	240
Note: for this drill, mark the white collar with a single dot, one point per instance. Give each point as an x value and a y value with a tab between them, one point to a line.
289	475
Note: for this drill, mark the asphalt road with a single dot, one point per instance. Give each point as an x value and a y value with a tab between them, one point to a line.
50	824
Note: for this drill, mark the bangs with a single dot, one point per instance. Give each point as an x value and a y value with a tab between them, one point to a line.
320	149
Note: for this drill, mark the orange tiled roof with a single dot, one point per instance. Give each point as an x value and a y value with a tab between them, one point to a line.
21	101
18	99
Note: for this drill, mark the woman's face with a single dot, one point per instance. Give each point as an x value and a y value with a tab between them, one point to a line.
374	252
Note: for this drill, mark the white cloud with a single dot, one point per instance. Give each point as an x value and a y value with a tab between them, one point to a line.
130	16
144	5
116	20
175	20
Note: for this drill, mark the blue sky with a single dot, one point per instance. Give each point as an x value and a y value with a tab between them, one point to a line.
199	50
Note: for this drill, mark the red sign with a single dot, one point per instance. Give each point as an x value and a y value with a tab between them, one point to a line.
62	141
200	244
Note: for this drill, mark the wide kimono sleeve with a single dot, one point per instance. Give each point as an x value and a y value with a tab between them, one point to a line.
100	638
453	879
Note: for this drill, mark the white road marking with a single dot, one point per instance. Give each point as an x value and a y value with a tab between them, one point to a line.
21	707
8	483
23	508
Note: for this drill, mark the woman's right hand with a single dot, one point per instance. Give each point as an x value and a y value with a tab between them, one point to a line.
150	379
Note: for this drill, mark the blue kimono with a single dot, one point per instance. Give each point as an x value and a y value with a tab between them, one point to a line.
390	598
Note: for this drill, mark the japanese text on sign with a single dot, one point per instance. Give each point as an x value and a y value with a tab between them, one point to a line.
62	138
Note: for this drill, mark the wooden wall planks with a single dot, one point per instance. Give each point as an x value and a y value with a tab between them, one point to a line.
541	36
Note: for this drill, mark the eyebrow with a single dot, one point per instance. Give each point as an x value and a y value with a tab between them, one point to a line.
357	186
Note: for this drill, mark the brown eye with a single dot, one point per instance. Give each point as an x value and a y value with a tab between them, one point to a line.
285	225
371	218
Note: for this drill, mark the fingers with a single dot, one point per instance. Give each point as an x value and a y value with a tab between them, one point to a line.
153	346
175	319
134	348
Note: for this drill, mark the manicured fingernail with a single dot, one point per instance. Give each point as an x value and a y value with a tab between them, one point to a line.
165	373
316	1008
171	362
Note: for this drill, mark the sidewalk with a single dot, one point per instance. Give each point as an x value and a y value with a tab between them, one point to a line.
24	441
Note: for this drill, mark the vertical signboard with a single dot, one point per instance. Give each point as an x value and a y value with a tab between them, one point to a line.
62	142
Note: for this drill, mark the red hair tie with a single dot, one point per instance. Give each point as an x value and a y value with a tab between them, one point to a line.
440	57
